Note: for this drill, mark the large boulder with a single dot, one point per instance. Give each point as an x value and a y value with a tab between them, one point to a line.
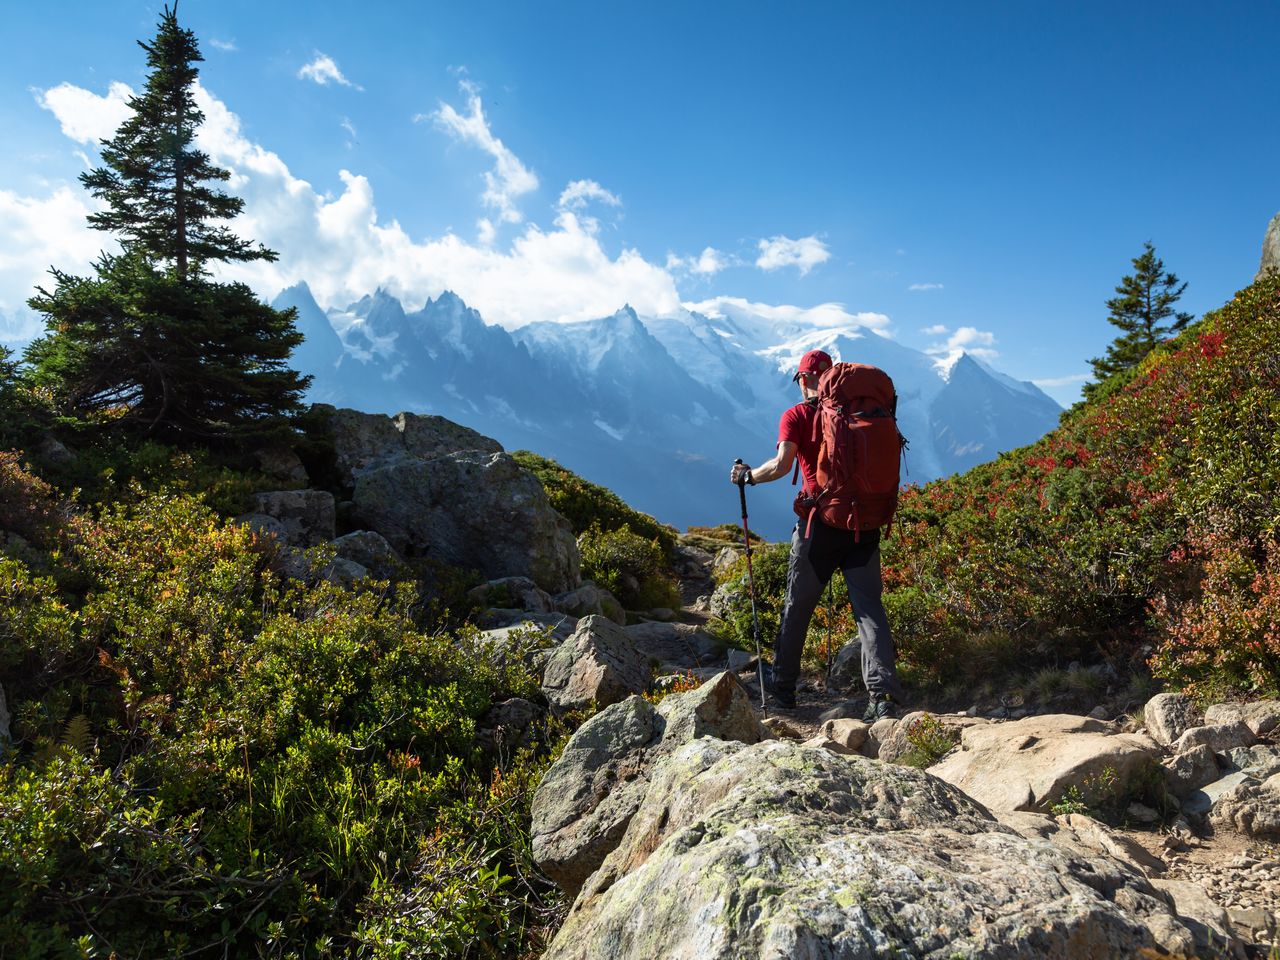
365	441
1167	716
1252	809
589	795
1270	250
304	517
471	509
598	664
779	851
1030	764
1260	716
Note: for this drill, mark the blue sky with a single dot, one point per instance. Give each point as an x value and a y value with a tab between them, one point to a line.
978	174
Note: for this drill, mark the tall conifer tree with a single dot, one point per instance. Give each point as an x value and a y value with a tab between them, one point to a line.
1144	301
151	339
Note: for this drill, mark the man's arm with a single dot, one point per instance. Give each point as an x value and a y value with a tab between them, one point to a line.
779	466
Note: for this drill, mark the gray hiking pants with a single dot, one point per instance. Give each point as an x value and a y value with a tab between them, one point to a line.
814	560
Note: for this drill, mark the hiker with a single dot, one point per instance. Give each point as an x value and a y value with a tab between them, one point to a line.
817	551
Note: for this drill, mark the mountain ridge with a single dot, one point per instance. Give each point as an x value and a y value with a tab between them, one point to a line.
652	407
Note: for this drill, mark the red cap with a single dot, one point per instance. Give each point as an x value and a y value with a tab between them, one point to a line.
815	361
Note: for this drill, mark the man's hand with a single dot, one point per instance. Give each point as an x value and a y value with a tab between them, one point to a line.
739	473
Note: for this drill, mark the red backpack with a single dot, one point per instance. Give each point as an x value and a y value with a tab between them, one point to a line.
861	448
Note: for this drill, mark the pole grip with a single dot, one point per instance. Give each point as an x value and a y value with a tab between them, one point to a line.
742	491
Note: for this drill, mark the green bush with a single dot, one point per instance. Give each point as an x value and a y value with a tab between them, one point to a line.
221	758
586	504
1077	545
628	566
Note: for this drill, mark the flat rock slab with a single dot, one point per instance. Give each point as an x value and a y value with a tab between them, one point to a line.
778	851
1029	764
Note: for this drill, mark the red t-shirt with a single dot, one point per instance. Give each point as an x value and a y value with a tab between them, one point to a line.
796	426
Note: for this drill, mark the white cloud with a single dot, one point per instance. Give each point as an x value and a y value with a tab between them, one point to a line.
925	286
86	117
803	254
937	330
706	264
324	70
344	248
581	192
970	340
1061	381
350	128
823	316
36	233
226	46
509	179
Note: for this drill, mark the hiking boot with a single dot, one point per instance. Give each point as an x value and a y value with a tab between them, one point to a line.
879	706
786	699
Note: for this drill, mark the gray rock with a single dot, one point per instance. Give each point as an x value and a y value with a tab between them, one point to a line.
1200	803
473	510
740	660
1218	737
588	796
844	710
501	623
1260	716
281	463
265	526
1251	809
366	441
343	572
1029	764
506	726
1185	773
778	851
1168	716
725	558
306	517
1259	761
679	644
370	550
531	642
53	451
518	593
877	736
598	664
851	734
1208	921
587	600
1270	249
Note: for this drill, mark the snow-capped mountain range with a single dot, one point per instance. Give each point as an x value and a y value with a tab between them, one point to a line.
655	408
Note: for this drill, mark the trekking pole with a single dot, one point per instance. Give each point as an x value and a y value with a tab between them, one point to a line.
751	583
